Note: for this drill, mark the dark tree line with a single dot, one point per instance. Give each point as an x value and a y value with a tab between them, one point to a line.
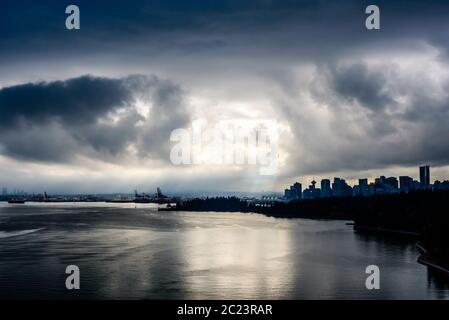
226	204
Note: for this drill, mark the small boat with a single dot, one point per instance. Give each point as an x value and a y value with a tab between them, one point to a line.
16	201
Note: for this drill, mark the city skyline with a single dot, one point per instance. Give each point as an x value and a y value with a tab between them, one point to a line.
379	186
399	184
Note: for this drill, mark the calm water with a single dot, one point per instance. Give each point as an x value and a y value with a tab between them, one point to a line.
128	252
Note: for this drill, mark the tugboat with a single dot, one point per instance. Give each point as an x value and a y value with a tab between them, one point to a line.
16	201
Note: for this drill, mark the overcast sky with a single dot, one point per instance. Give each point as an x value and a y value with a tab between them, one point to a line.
91	110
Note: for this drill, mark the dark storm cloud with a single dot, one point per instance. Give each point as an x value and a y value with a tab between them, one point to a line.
309	28
89	116
357	84
79	100
373	117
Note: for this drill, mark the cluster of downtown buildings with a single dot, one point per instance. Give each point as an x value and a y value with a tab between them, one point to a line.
381	186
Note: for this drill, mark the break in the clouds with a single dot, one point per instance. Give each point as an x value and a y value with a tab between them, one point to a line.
350	102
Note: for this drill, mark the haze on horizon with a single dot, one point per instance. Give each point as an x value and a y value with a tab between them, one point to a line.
92	110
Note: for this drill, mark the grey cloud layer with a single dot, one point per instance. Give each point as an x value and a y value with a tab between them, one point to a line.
74	101
89	116
348	114
287	28
371	117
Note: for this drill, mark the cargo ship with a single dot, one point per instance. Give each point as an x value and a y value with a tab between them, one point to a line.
16	201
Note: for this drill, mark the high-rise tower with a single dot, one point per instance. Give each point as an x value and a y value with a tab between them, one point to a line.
424	176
